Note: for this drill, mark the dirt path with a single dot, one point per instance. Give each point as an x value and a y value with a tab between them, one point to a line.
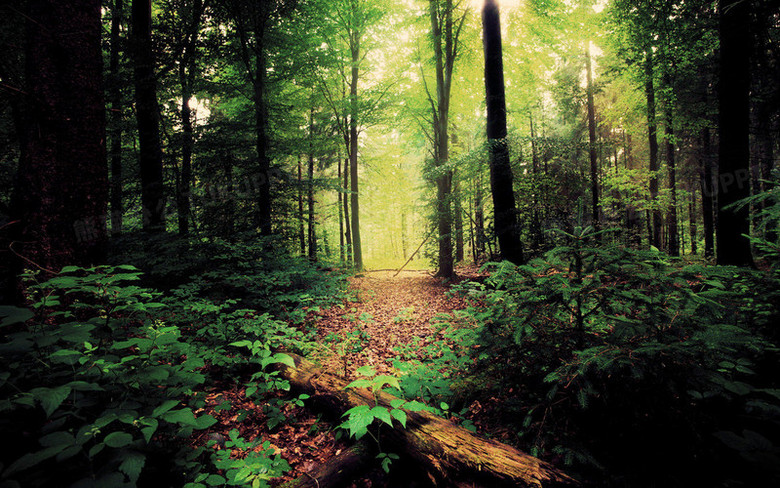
390	312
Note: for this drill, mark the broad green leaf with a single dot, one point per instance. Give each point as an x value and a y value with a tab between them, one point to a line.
183	416
359	418
359	384
31	459
399	415
14	315
383	414
167	405
51	398
132	465
118	439
380	381
204	422
366	371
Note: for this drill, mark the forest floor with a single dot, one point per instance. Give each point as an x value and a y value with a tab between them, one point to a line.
387	315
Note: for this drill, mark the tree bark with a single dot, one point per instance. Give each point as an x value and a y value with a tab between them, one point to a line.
707	194
594	164
312	232
301	218
451	453
339	471
147	116
59	203
734	123
506	224
115	96
357	249
652	134
671	163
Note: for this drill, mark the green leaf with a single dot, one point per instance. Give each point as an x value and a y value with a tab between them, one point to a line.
204	422
118	439
51	398
31	459
359	384
132	465
380	381
183	416
57	439
383	414
359	418
215	480
399	415
397	402
14	315
167	405
366	371
150	429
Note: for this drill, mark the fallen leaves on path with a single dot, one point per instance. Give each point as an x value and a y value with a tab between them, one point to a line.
390	312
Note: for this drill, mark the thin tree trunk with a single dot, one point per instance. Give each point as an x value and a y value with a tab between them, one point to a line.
459	251
652	132
310	186
671	222
707	194
301	217
734	123
347	221
115	97
147	112
506	224
692	223
594	165
357	250
342	255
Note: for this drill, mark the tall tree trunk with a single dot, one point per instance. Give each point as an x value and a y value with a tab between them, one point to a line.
506	224
357	250
312	232
60	197
479	218
187	82
347	220
652	133
147	112
594	164
692	223
261	127
707	194
536	224
115	96
342	255
734	123
459	251
301	217
671	221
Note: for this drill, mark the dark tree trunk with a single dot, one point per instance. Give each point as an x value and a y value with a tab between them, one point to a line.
61	190
734	123
506	224
312	232
301	217
692	222
357	249
652	132
707	194
147	112
342	255
459	251
479	220
671	220
261	129
115	96
187	82
536	224
347	220
594	164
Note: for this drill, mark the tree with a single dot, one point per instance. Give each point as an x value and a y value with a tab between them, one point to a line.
115	97
733	245
147	117
61	191
594	165
445	36
500	169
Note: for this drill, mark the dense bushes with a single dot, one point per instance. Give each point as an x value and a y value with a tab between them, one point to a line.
102	379
629	361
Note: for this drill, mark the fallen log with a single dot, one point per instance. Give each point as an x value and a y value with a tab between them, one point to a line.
451	454
338	471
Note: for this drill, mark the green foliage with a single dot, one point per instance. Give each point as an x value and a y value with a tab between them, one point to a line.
97	385
626	344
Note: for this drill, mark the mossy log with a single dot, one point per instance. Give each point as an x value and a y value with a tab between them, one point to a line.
451	454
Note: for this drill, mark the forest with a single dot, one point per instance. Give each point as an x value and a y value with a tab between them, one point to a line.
389	243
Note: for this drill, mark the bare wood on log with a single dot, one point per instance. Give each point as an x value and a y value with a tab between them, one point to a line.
338	471
453	453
